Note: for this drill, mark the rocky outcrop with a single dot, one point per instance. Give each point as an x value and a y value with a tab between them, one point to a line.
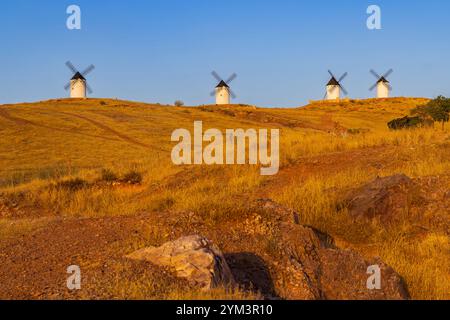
300	263
194	258
311	267
383	198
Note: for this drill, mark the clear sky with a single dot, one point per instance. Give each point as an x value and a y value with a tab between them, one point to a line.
164	50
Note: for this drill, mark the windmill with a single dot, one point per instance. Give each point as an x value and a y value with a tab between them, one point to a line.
223	91
334	87
77	84
382	84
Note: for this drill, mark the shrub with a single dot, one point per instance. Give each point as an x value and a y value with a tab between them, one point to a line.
109	176
354	131
179	103
407	123
72	184
133	177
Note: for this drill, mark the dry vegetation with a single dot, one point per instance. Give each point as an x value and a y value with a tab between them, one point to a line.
71	160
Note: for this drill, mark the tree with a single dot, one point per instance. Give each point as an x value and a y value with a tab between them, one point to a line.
179	103
437	110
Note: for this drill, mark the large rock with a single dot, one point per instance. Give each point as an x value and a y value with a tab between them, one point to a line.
310	266
194	258
384	198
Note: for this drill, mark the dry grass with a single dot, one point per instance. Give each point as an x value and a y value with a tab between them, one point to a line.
424	263
126	282
48	143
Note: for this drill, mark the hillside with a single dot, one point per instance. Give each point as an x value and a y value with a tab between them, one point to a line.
71	192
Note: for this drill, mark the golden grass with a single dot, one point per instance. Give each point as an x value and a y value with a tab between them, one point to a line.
423	263
55	145
297	145
128	280
149	288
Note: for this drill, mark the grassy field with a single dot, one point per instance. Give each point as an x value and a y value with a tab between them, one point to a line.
73	159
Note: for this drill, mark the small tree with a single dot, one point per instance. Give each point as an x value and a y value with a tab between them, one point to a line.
179	103
437	110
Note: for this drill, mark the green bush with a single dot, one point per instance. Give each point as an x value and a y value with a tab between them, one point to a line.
437	110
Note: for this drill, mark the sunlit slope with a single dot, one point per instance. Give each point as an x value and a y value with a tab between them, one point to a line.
44	137
57	159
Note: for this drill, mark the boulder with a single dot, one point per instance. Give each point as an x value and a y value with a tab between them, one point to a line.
384	198
194	258
311	267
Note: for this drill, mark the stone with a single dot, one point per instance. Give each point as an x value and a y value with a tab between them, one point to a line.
384	198
194	258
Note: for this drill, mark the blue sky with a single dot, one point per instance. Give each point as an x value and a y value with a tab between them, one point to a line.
164	50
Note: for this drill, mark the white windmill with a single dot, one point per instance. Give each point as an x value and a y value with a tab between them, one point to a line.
78	85
382	84
223	91
334	87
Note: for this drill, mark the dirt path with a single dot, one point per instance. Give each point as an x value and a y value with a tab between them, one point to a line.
303	169
329	164
329	125
122	136
23	122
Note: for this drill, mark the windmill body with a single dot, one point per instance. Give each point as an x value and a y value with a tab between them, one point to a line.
333	90
382	88
334	87
222	93
78	86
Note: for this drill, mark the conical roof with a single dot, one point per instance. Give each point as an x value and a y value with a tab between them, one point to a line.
333	82
383	79
78	76
222	84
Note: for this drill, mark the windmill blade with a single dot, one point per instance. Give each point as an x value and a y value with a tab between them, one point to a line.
88	70
389	86
213	93
71	67
376	75
343	90
215	75
373	87
231	78
331	74
325	95
232	94
89	90
67	86
387	74
343	77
